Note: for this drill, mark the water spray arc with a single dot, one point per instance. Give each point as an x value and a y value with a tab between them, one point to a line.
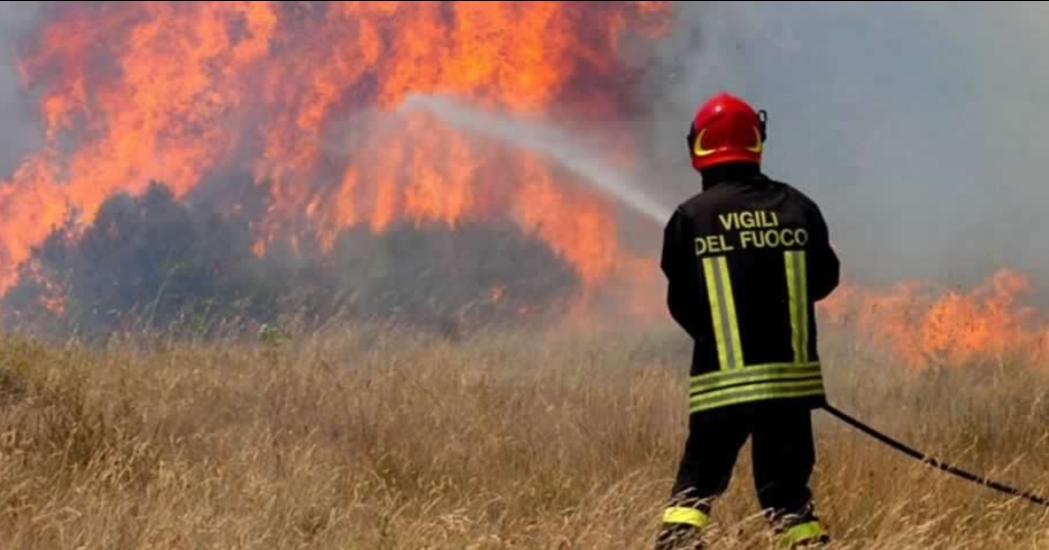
546	140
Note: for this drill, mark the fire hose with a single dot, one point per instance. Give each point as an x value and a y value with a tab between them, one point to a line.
930	461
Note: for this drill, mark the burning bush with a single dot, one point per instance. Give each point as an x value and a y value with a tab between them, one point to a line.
154	262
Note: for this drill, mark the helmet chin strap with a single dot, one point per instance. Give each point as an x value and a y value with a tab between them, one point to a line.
763	118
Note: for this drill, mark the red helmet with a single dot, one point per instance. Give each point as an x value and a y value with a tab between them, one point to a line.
726	129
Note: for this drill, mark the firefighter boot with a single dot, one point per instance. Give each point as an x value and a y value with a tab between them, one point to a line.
799	531
682	529
808	535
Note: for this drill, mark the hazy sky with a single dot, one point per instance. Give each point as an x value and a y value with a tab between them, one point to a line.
918	127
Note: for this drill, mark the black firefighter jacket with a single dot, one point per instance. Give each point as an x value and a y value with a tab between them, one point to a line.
746	260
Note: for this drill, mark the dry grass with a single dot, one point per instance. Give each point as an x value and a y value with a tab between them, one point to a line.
360	440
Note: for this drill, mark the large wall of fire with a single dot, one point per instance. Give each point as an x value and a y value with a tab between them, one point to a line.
291	94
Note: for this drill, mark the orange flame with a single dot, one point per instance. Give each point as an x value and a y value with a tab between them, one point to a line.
170	91
924	325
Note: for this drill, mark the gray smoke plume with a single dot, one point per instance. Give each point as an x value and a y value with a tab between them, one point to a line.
19	132
916	126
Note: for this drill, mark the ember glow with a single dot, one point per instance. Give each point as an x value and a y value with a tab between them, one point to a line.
298	95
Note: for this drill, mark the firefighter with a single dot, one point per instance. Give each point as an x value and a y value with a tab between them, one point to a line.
746	259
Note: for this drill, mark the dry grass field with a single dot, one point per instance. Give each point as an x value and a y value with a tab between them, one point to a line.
362	439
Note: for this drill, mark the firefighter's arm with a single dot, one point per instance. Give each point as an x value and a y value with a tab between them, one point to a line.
825	267
684	281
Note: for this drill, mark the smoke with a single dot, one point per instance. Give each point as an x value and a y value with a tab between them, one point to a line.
916	126
19	132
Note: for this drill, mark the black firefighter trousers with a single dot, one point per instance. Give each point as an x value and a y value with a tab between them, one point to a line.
783	456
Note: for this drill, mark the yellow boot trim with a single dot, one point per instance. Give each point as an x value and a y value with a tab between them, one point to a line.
688	516
801	533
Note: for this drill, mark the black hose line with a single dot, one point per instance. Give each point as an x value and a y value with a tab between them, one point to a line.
932	461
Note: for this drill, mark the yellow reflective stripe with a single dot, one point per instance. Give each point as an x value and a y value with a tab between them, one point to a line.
688	516
723	312
767	387
777	389
801	533
753	373
797	287
714	294
811	389
730	313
